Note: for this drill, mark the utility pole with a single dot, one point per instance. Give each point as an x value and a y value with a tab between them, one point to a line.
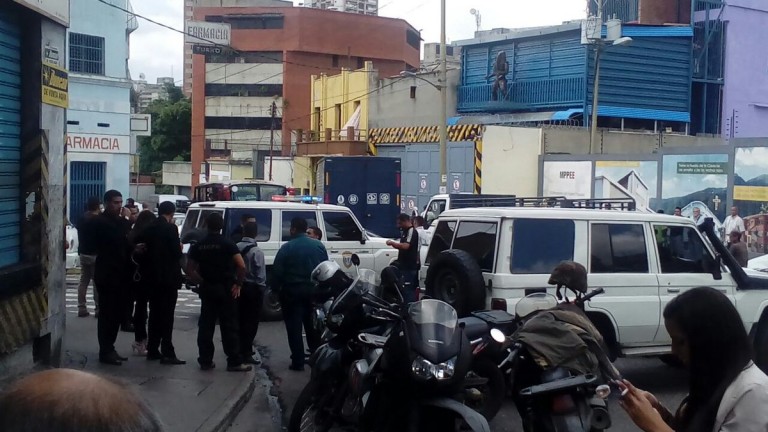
443	104
273	113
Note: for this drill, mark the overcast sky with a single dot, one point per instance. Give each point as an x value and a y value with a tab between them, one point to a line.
156	51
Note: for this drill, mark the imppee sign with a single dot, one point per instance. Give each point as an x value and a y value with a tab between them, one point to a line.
55	86
87	143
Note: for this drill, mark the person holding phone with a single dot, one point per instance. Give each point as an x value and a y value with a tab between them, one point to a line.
727	391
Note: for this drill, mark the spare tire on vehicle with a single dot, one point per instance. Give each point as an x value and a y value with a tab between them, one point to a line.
455	278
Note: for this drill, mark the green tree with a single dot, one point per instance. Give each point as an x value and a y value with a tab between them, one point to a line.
171	138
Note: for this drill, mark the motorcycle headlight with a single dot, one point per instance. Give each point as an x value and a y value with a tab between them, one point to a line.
425	369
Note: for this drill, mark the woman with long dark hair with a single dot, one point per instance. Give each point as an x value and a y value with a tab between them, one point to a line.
728	392
139	293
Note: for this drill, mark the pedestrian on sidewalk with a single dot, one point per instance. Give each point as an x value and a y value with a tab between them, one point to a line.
216	265
252	295
237	234
291	274
111	274
68	400
164	281
136	306
86	242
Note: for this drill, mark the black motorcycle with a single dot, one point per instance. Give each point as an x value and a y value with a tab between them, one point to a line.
407	374
561	374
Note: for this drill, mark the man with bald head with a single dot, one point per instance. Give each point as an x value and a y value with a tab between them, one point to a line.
67	400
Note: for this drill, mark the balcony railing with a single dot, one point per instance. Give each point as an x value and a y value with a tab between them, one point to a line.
346	142
524	95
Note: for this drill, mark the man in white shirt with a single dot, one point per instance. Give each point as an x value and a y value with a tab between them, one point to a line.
698	219
732	223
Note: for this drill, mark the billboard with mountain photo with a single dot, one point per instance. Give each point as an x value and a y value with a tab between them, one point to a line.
695	181
750	194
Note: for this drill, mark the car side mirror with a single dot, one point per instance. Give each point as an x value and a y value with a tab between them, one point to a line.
363	237
355	260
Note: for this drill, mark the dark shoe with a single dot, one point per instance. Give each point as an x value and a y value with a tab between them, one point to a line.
239	368
121	358
128	328
83	314
172	361
154	356
251	360
112	359
296	368
207	366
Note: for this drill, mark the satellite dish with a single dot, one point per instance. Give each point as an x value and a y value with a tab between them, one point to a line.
473	11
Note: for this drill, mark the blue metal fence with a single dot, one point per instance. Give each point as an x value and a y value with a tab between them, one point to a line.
10	139
523	95
86	179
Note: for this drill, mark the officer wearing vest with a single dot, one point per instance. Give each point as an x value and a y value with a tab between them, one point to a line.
252	295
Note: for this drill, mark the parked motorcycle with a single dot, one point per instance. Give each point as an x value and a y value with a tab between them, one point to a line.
405	375
561	374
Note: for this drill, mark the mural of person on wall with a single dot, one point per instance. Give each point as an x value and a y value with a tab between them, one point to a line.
499	75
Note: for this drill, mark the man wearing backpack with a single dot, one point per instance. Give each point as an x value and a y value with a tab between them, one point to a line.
252	295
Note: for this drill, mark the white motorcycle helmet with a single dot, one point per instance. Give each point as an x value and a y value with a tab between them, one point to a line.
325	270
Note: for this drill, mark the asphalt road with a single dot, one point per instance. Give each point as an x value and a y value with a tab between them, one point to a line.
667	383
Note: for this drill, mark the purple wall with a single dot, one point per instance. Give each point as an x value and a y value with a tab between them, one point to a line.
746	69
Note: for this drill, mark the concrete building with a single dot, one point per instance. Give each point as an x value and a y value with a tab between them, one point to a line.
189	7
341	101
431	59
277	52
99	115
35	89
148	93
365	7
411	101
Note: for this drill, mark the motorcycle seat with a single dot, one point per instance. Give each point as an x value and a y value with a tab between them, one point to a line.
474	327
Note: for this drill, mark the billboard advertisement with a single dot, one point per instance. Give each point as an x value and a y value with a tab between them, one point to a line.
750	195
695	181
569	179
628	179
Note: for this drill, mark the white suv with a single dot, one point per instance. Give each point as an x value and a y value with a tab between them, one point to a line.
492	257
342	234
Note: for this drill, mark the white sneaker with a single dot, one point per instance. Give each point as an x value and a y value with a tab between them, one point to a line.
140	348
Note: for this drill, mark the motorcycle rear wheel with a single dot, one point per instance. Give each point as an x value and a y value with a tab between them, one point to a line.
304	416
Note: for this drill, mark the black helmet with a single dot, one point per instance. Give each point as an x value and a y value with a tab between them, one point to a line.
571	275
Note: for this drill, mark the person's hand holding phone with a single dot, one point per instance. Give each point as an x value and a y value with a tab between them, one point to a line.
642	407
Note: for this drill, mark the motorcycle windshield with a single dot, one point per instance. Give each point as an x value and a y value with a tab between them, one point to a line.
433	329
365	283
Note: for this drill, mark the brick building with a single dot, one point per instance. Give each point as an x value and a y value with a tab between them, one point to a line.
277	50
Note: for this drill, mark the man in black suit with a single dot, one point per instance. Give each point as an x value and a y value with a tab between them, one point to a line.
164	278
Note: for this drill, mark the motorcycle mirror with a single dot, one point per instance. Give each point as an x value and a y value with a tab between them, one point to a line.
355	260
498	335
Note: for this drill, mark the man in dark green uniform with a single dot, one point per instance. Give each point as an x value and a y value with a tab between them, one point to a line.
291	274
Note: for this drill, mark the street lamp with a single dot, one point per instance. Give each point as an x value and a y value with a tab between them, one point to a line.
600	45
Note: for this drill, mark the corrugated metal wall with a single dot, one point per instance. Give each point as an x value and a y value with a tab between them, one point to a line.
10	139
419	160
653	73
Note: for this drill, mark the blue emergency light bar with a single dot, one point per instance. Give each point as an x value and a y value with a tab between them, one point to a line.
306	199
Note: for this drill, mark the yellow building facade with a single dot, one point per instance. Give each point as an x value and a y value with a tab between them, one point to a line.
340	101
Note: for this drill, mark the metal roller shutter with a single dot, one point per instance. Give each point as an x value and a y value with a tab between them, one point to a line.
10	138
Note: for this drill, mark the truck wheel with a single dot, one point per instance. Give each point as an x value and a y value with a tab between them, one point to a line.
455	278
761	344
271	309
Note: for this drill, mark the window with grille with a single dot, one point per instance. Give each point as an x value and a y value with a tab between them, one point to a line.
86	54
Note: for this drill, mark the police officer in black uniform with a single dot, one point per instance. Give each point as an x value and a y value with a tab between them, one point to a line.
216	264
111	273
407	256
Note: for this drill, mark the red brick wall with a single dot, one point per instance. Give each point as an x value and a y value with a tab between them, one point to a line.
658	12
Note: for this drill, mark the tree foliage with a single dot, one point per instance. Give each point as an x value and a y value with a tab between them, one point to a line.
171	138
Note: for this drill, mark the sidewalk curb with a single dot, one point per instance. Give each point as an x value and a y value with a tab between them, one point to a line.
222	419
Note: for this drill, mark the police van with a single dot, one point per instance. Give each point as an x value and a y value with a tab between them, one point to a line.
343	235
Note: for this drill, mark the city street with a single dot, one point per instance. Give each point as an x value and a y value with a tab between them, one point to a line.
667	383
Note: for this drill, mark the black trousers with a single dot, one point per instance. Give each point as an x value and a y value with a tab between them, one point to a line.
297	312
249	308
140	296
218	304
112	296
162	307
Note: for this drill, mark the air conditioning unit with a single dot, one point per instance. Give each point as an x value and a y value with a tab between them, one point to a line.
591	29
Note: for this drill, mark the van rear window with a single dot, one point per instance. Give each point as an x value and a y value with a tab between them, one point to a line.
538	245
